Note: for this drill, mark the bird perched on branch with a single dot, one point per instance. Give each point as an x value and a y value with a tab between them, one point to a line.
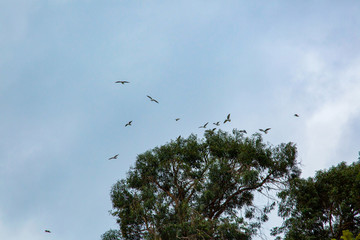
265	131
227	118
122	82
128	124
114	157
204	126
153	100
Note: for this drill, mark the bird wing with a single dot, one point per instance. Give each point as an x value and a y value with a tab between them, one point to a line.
267	129
228	116
149	97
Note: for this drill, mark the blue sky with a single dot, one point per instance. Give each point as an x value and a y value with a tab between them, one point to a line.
62	116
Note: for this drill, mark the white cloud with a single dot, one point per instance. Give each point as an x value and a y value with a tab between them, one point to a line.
333	101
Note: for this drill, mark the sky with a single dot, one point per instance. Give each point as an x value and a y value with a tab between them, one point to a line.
62	115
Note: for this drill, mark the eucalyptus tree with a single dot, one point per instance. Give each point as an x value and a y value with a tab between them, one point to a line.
194	188
322	207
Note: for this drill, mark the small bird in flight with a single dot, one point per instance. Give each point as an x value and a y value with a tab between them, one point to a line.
243	131
227	118
296	115
153	100
114	157
47	231
204	126
128	124
265	131
177	119
122	82
211	130
217	123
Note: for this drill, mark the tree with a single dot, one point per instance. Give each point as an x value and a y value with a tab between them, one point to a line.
111	235
322	207
202	189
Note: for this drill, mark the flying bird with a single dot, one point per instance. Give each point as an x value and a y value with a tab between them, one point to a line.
47	231
114	157
227	118
153	100
128	124
204	126
217	123
243	131
122	82
265	131
177	119
211	130
296	115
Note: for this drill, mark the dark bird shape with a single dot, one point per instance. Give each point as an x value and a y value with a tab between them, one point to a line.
122	82
243	131
47	231
265	131
204	126
211	130
296	115
227	118
178	138
177	119
153	100
114	157
128	124
217	123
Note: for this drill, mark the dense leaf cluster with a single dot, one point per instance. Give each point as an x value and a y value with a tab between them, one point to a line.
322	207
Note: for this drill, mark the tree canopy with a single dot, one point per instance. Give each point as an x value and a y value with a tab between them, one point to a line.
195	188
322	207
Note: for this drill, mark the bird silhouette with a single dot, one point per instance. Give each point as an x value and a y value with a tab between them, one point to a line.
296	115
122	82
217	123
265	131
243	131
177	119
227	118
153	100
128	124
47	231
204	126
114	157
178	138
211	130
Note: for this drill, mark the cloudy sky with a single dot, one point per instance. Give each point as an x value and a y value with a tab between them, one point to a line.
62	116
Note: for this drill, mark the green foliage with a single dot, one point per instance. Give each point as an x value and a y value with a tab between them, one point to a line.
111	235
322	207
201	189
347	235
